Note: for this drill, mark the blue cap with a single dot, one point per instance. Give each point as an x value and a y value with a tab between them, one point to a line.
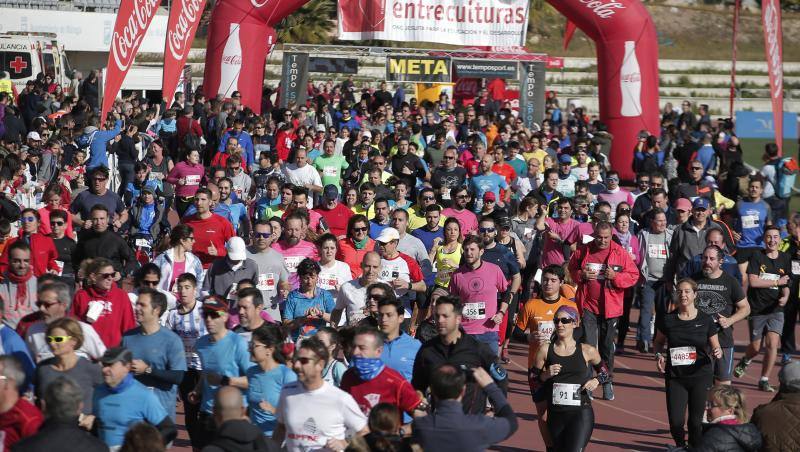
330	192
565	158
701	203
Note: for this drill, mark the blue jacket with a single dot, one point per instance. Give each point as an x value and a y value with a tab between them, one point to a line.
399	354
244	141
97	141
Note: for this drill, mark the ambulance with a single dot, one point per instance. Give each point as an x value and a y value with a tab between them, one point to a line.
23	55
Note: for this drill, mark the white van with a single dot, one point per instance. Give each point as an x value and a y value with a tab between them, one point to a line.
26	54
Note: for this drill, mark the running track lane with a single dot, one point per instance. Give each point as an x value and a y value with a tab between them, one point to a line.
635	421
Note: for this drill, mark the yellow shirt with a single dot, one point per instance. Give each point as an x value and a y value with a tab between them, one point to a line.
369	211
444	264
415	221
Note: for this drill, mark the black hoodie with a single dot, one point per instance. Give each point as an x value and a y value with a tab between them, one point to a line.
240	435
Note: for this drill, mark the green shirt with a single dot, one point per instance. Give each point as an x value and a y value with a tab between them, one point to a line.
331	169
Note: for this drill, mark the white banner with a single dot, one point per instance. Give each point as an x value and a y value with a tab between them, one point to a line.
78	31
457	22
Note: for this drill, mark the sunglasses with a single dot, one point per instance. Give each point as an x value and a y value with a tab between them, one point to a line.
447	157
106	275
486	230
428	198
42	304
612	179
262	235
100	179
58	339
149	283
563	320
462	196
360	229
27	219
303	360
57	223
697	168
212	314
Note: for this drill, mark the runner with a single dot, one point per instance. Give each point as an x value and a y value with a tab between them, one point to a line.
689	333
562	368
768	272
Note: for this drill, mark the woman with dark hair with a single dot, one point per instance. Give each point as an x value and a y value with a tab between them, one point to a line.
384	432
308	307
267	377
351	249
187	176
178	259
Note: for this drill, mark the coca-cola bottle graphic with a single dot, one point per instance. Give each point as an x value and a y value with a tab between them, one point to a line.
364	16
630	82
231	65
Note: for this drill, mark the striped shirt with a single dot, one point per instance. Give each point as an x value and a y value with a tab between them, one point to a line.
189	327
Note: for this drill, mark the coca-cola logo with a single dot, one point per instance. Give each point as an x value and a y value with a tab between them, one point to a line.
125	42
632	77
258	4
772	30
178	39
235	60
603	10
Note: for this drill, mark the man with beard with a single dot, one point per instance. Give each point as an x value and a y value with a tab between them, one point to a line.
469	221
293	247
720	295
448	176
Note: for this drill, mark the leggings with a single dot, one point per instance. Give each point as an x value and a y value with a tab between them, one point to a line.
191	411
571	430
683	392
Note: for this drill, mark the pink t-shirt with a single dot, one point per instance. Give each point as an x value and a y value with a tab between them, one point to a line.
293	255
467	220
569	232
178	268
478	291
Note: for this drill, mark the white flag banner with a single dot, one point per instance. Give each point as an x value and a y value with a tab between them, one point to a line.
457	22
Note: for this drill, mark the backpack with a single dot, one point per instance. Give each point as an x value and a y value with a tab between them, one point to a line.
786	170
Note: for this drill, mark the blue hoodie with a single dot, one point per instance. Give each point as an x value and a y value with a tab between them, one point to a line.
96	140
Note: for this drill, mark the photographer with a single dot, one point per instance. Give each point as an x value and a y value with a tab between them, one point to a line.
449	428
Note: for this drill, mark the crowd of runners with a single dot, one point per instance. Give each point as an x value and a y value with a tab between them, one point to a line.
348	273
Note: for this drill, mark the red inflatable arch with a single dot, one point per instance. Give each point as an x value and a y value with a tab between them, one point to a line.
627	69
241	34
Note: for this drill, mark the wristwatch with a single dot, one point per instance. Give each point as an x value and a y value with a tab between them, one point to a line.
149	370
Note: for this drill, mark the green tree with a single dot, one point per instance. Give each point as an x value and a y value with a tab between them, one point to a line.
314	23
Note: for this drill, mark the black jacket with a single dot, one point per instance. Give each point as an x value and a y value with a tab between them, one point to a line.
240	435
106	244
56	436
467	351
729	438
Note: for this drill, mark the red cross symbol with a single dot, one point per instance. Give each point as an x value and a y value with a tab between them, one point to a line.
18	65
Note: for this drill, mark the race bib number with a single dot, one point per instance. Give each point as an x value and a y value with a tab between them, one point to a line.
682	356
193	180
266	281
566	186
60	265
657	251
770	277
546	328
446	194
292	262
330	171
238	190
527	233
796	267
566	394
475	311
750	221
599	268
142	243
232	291
328	282
154	176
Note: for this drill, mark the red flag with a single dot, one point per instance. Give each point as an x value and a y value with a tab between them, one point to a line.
773	45
133	19
181	27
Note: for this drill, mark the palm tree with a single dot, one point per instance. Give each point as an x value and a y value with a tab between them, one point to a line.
311	24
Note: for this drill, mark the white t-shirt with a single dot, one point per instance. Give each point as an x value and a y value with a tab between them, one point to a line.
302	176
92	348
331	278
352	298
312	418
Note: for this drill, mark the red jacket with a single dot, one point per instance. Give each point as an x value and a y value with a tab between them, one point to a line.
186	125
43	255
351	256
117	315
614	291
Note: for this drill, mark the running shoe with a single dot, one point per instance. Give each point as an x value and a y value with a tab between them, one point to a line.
740	368
786	358
608	391
763	385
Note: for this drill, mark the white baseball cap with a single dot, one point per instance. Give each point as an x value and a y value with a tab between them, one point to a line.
388	234
236	249
33	135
